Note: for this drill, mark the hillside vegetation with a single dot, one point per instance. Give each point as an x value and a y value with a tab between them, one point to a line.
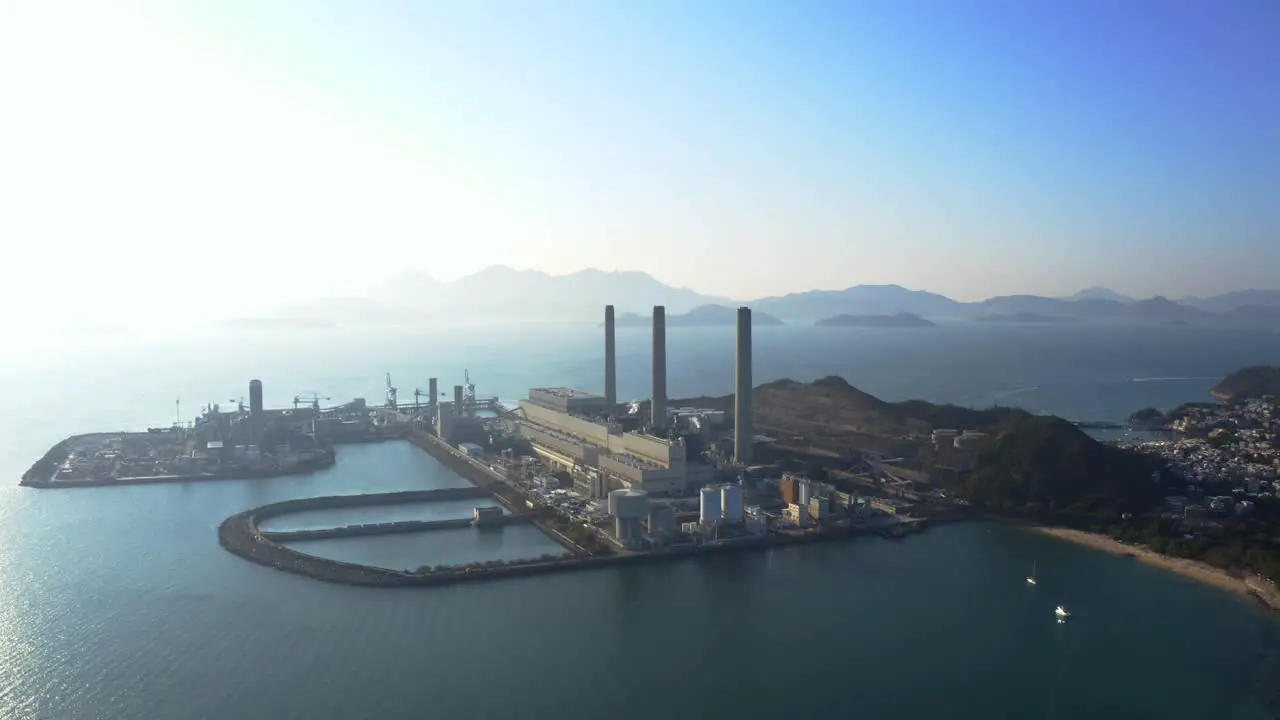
1046	469
1250	382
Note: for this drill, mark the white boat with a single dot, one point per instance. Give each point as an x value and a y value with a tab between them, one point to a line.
1061	612
1031	579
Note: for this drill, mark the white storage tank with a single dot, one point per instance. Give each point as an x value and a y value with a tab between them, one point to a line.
709	505
731	503
629	503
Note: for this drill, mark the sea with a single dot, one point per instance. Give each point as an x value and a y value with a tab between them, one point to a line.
119	602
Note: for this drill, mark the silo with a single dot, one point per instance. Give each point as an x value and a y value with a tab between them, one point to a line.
804	491
709	505
255	397
731	503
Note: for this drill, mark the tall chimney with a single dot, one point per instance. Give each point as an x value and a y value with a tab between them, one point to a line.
433	389
658	402
610	360
457	401
255	398
742	425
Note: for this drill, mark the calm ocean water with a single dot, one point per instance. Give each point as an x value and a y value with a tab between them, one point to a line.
118	603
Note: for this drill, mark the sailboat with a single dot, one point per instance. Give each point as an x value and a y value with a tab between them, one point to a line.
1061	612
1031	579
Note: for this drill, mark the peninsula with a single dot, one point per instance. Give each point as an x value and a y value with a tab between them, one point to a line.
666	479
899	320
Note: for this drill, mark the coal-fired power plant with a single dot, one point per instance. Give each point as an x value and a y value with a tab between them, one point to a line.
610	360
255	398
743	431
658	403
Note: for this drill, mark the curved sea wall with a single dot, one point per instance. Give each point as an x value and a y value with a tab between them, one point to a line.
240	535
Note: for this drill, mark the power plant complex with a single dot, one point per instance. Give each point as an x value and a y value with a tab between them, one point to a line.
597	475
640	463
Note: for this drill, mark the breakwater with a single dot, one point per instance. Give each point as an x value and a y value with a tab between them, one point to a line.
239	534
402	526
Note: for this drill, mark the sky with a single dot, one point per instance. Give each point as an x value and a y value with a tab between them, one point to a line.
183	159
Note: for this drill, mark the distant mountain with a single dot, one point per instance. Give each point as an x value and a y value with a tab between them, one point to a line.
1228	302
1099	293
859	300
1159	309
1022	317
897	320
701	316
339	312
501	294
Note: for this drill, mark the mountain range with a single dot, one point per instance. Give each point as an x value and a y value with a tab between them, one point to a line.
501	294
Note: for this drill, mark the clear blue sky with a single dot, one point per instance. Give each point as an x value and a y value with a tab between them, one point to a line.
971	147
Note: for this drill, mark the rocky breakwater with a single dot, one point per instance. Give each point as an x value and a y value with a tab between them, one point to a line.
239	534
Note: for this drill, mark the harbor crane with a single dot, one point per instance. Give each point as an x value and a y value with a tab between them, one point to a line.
391	394
468	390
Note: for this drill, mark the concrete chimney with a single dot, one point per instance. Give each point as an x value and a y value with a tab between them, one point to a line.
255	398
743	429
458	410
658	401
433	389
610	360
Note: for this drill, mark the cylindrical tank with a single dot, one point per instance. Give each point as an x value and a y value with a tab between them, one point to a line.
731	503
709	505
629	503
255	397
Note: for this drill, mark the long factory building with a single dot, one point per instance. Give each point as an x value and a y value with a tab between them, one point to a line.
573	430
564	429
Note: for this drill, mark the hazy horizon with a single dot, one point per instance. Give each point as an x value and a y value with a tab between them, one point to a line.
187	162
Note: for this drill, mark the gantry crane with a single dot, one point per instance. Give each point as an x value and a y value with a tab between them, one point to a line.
391	394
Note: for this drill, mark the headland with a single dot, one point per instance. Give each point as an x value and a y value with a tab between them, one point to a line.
617	483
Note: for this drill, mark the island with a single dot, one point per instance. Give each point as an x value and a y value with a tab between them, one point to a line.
701	316
899	320
1022	317
1250	382
1149	418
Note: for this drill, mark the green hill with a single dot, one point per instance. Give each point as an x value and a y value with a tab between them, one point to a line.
1250	382
1045	468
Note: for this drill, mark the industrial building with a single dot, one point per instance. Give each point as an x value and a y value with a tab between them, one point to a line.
579	431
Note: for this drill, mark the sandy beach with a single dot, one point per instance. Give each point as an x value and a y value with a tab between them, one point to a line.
1256	588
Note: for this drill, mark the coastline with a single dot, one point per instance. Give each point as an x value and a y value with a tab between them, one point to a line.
1267	595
